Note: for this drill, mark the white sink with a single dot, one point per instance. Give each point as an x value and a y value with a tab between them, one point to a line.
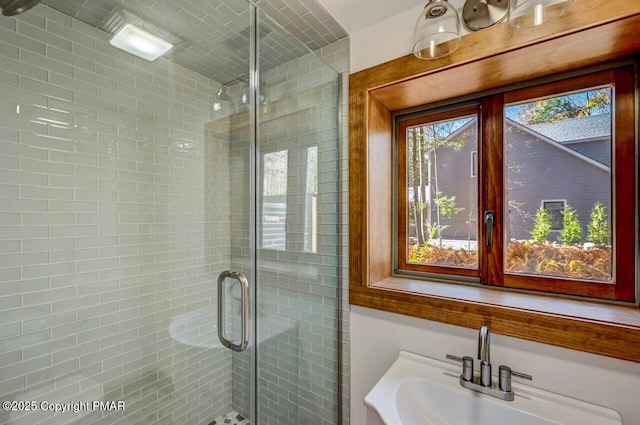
418	390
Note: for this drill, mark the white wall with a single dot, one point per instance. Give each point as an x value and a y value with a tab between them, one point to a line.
388	39
377	337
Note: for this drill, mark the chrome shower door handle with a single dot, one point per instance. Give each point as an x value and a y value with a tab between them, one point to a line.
244	311
489	222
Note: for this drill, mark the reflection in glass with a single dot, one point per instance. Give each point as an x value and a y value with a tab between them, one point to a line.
222	104
311	198
274	200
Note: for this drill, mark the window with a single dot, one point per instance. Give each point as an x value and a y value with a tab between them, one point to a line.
555	172
554	213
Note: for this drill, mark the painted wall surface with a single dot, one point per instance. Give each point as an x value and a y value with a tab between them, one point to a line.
388	39
377	337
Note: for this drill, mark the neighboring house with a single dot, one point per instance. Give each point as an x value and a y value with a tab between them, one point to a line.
563	163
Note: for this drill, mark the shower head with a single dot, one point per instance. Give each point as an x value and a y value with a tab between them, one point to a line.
15	7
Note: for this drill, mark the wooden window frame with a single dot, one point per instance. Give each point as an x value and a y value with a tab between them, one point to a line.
490	270
592	34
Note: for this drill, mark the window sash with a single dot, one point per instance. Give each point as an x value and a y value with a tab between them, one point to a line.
403	195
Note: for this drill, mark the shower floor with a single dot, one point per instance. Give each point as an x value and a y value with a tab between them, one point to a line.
230	418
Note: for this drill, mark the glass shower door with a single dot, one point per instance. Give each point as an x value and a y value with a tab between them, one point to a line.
297	333
284	221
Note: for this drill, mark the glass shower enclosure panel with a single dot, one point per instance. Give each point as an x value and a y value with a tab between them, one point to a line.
284	209
297	245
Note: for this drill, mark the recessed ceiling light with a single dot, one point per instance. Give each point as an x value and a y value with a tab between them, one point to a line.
140	43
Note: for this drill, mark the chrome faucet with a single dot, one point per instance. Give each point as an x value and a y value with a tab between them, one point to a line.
483	356
483	382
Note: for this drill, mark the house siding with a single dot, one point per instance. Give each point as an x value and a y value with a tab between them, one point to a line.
537	170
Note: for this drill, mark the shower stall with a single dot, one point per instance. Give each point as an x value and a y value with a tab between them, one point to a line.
169	229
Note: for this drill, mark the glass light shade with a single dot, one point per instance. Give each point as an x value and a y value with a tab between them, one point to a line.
437	31
15	7
139	42
532	13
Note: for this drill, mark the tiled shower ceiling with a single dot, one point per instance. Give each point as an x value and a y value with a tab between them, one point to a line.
212	37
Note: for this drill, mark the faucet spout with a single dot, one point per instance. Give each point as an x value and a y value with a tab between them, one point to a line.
484	345
484	357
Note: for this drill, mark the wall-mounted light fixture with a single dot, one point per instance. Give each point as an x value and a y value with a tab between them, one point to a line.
437	30
15	7
139	42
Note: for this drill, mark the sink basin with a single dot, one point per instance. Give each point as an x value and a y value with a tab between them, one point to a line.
418	390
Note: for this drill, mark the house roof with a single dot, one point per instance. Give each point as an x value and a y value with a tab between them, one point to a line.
576	129
560	146
595	122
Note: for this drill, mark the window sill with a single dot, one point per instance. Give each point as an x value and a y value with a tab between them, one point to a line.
606	329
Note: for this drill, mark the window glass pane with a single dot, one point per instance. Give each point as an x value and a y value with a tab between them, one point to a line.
558	186
311	202
441	193
274	200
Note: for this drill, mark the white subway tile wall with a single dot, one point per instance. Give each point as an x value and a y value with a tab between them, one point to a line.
112	172
337	56
111	228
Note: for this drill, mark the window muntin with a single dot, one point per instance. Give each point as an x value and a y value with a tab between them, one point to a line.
615	274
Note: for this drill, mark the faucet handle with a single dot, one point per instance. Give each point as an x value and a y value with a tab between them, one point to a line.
522	375
454	358
504	377
467	366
